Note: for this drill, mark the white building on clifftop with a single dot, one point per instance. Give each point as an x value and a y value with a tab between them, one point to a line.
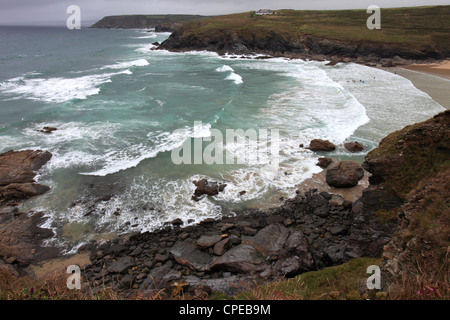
263	12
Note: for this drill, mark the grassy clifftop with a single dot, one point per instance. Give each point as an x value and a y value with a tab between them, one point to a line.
421	30
143	21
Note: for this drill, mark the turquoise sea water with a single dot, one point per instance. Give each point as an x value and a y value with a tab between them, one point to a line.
121	108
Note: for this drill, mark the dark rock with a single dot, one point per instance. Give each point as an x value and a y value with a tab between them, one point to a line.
186	253
221	247
354	146
20	166
208	188
286	267
345	175
337	230
334	61
154	279
269	240
249	231
204	242
121	265
161	257
48	130
241	259
207	221
125	282
324	162
321	145
21	191
177	222
227	226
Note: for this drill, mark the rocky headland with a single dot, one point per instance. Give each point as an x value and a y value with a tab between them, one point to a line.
340	36
164	22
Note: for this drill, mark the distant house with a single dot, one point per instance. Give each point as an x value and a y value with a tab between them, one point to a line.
264	12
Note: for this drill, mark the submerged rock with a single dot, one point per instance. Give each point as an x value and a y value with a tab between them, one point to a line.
354	146
208	188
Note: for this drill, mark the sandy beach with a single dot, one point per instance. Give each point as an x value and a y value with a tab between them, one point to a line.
433	79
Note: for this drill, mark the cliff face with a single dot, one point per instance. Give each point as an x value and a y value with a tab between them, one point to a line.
274	43
412	165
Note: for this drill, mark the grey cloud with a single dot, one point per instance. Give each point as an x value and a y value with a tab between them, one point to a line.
35	12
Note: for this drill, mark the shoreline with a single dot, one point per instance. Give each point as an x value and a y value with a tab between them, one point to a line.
432	78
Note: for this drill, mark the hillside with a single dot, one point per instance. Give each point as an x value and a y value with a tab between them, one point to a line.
411	33
143	21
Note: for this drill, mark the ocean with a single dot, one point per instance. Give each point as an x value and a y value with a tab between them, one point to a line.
122	109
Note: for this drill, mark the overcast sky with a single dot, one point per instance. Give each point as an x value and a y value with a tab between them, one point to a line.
51	12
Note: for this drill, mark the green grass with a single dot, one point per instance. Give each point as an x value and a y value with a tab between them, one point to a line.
416	28
339	282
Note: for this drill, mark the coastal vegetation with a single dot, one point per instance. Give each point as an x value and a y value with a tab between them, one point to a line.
411	33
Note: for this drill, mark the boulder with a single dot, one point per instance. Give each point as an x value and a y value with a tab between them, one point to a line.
221	247
241	259
155	278
354	146
121	265
324	162
321	145
17	172
186	253
208	241
208	188
269	240
345	175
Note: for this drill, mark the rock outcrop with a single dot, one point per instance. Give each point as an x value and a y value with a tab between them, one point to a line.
345	175
17	172
306	46
20	235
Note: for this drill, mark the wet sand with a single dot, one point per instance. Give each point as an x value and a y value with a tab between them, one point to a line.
433	79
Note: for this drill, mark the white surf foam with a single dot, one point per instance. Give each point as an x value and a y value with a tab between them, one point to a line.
233	76
130	156
127	64
57	90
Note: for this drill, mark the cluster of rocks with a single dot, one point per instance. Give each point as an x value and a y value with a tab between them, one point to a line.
345	174
311	231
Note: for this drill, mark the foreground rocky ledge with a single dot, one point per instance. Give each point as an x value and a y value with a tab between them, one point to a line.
309	232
